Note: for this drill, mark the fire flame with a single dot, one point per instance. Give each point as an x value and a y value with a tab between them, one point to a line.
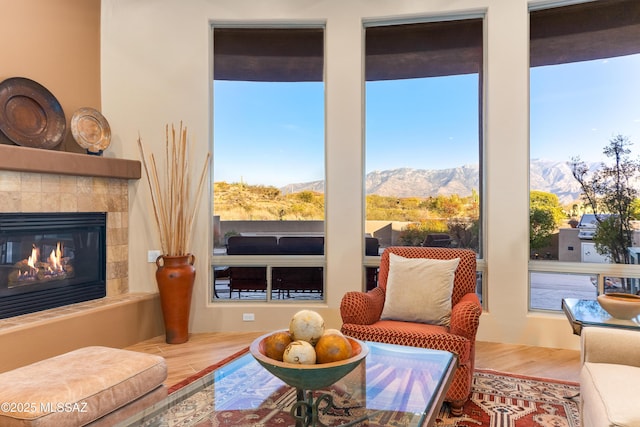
55	258
33	259
53	267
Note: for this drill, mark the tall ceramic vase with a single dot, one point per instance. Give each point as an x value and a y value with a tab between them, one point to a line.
175	276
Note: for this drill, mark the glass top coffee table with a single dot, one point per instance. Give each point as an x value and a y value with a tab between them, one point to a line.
393	386
588	312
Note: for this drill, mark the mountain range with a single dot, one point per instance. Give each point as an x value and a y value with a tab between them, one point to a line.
545	175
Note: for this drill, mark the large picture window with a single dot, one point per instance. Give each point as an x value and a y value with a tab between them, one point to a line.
424	133
268	167
585	132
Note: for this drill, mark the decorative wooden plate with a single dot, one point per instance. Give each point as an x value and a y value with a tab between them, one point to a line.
90	130
30	115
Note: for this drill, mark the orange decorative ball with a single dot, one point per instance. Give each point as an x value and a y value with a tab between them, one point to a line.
276	343
332	347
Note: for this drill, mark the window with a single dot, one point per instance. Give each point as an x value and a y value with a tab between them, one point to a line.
268	167
585	59
424	133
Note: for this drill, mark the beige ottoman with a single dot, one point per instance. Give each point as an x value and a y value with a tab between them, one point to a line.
80	387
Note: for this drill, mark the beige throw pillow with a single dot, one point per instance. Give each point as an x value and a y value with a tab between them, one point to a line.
419	290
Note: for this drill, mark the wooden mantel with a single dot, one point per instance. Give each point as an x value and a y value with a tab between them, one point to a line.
24	159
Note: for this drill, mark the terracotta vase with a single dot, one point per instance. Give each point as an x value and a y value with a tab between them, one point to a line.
175	276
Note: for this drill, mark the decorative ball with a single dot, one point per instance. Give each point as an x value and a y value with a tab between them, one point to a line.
332	348
276	343
300	352
306	325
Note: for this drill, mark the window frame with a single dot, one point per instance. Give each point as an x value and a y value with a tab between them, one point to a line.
268	261
481	264
539	44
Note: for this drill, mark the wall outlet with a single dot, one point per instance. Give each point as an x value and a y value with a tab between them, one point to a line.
153	255
248	317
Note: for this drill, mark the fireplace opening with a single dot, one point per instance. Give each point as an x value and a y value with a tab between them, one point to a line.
49	260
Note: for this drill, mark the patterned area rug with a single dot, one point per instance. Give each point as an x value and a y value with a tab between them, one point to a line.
498	400
507	400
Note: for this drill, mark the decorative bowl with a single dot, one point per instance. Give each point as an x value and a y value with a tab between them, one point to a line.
619	305
309	377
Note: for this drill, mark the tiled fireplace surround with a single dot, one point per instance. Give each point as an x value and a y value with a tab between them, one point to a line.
34	192
33	180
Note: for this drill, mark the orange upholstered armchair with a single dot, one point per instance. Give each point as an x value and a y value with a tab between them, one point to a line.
361	314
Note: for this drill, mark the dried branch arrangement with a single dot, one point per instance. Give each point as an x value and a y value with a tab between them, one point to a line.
174	205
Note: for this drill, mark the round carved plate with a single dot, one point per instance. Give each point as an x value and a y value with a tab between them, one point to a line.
90	129
30	115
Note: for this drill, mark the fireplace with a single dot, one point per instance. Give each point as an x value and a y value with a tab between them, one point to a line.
49	260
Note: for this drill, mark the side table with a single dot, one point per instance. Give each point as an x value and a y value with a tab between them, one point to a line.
588	312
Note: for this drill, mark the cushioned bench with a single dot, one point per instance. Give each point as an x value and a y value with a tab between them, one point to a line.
91	385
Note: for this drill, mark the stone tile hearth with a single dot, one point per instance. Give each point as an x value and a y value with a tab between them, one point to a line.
33	319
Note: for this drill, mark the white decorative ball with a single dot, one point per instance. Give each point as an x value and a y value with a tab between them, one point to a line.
300	352
307	325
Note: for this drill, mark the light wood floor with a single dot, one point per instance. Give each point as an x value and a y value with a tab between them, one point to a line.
203	350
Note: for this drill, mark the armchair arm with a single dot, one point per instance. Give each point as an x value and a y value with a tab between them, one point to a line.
610	345
465	316
362	308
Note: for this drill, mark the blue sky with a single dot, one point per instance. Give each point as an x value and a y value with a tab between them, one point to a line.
273	133
268	133
577	108
410	122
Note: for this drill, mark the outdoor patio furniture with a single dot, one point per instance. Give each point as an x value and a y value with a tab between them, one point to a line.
297	279
252	245
285	280
437	240
301	245
243	279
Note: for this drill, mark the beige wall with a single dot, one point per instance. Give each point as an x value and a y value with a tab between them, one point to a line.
57	44
156	69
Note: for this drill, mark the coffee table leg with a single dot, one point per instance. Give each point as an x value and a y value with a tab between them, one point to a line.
299	416
305	410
